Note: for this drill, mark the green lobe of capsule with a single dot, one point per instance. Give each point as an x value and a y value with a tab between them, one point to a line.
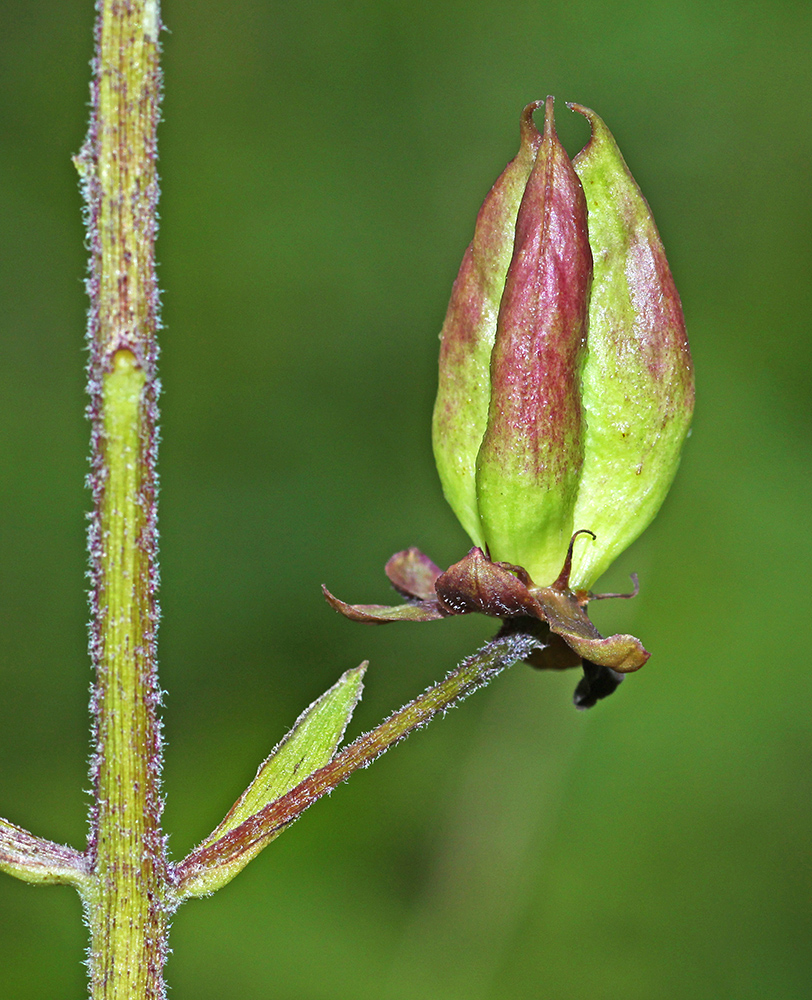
529	465
467	337
637	381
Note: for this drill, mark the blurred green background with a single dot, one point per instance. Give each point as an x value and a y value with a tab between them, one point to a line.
322	164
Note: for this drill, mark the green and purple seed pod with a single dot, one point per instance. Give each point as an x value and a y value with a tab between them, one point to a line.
566	386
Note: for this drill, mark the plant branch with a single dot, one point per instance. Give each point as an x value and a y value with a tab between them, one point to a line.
213	864
40	861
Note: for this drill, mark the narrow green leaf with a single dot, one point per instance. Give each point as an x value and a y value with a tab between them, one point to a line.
217	861
309	745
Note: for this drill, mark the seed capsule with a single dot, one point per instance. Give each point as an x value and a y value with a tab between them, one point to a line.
566	386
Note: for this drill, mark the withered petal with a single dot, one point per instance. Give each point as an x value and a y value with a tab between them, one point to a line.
380	614
475	584
557	654
566	617
623	653
413	574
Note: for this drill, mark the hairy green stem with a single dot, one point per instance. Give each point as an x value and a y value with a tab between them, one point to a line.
126	896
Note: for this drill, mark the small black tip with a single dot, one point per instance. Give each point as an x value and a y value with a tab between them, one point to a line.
598	682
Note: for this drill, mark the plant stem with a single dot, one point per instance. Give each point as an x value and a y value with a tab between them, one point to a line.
126	900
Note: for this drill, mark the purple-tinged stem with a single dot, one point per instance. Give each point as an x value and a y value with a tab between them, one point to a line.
39	861
125	902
